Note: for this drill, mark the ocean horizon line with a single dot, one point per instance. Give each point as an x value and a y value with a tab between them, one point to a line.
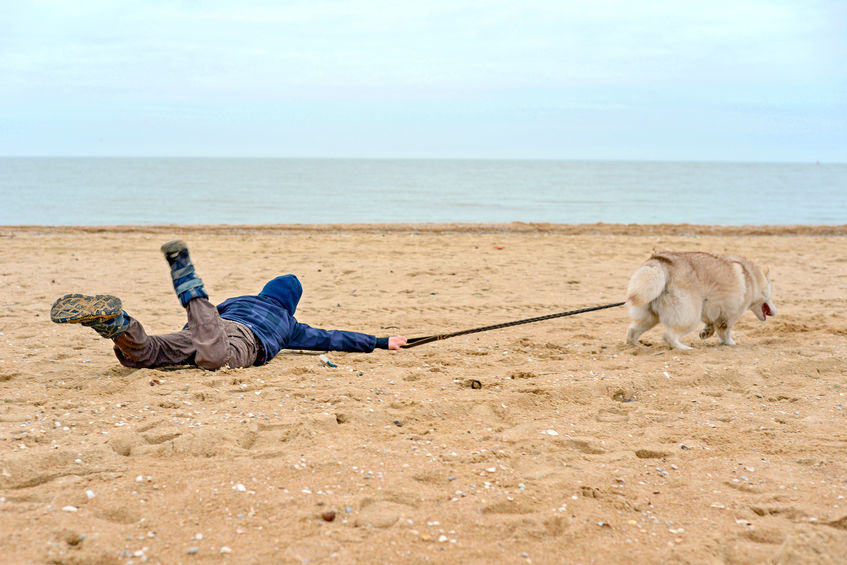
516	226
446	159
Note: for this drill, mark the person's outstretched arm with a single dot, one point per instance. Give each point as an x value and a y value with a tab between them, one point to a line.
316	339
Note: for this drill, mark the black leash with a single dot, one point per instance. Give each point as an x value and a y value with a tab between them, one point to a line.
415	341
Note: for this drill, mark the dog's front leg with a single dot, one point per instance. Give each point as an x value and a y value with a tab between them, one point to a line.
725	338
724	333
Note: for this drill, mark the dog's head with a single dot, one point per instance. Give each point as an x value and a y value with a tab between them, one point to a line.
762	305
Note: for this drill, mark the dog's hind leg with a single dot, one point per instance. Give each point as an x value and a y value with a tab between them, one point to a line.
642	320
672	335
680	313
672	338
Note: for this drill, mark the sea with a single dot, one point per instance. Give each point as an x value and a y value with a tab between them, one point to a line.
239	191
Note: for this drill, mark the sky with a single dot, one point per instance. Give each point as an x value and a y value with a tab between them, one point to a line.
585	79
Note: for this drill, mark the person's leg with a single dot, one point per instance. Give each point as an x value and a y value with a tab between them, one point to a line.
243	344
217	342
206	331
212	344
134	348
208	342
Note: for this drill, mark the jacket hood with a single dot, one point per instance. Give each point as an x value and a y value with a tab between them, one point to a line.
286	290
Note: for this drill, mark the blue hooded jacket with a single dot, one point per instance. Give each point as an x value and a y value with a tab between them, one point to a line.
270	316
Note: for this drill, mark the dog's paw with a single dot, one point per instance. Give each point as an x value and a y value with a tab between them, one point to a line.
707	332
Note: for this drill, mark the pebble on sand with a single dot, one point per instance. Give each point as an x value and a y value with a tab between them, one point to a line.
328	516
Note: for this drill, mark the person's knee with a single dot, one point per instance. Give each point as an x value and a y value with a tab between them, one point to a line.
127	361
211	360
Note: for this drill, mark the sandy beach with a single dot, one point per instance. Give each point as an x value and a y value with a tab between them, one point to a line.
544	443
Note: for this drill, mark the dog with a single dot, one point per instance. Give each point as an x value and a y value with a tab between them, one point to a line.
680	289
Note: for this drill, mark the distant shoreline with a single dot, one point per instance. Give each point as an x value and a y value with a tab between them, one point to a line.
813	162
454	228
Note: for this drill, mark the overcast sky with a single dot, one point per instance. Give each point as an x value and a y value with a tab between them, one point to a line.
615	79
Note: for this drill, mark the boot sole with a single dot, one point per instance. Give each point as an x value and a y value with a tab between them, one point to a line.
80	308
173	247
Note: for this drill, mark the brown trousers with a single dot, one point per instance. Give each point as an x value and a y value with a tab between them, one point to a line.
208	342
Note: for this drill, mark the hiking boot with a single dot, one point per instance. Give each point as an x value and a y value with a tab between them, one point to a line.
102	312
187	284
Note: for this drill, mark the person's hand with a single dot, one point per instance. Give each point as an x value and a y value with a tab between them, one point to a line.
396	342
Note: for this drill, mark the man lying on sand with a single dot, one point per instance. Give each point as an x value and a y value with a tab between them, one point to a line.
240	332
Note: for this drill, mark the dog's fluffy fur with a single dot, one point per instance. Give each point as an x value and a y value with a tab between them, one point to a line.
679	289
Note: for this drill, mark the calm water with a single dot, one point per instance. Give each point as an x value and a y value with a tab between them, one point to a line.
105	191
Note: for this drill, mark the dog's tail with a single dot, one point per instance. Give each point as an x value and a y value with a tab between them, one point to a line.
646	284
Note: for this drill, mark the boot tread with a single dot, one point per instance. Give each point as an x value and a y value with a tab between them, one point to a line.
81	308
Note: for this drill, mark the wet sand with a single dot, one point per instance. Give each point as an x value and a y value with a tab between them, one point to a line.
544	443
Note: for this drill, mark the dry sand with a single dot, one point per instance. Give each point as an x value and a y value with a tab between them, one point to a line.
576	448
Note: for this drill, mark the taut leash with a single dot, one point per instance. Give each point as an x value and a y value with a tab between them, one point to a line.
415	341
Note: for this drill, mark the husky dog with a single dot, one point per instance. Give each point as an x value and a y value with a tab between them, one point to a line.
681	289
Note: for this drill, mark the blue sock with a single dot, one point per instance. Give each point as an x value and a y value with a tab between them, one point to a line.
110	328
187	284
